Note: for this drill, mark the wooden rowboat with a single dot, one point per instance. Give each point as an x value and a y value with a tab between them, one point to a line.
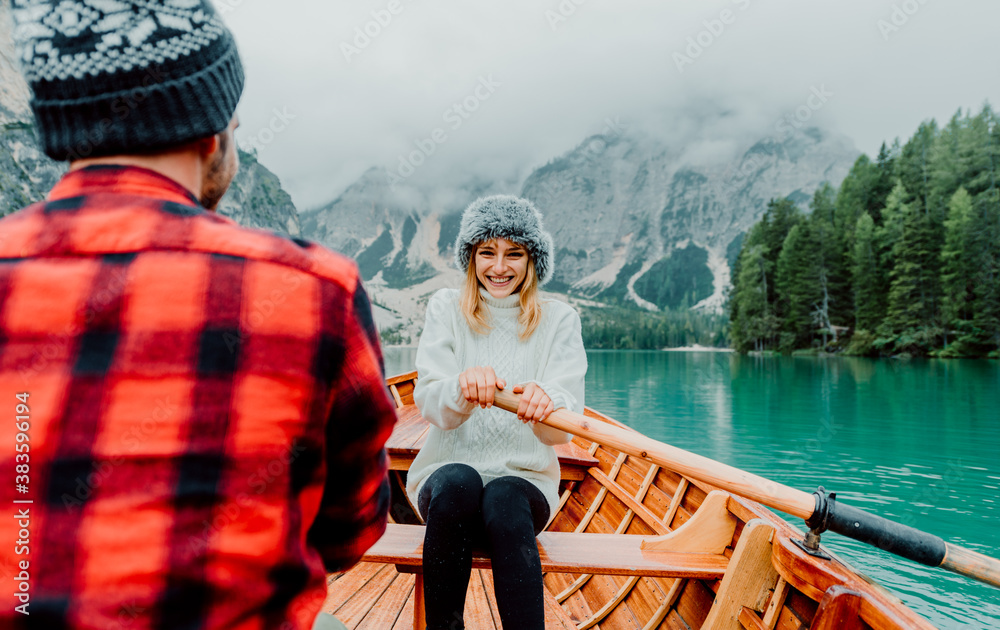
633	545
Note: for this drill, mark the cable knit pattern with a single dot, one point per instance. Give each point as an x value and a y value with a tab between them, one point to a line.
492	441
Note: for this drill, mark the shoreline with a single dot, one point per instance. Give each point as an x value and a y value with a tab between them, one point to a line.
697	348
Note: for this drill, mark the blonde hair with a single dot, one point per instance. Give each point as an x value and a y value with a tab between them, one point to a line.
472	303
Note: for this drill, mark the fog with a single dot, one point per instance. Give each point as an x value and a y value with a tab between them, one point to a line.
495	89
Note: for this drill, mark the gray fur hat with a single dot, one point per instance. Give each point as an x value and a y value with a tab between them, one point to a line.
509	217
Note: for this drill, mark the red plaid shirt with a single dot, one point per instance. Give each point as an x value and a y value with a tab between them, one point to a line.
204	414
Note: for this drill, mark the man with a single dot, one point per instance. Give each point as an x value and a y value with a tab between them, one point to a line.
200	408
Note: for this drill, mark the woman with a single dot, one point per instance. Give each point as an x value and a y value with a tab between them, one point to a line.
485	477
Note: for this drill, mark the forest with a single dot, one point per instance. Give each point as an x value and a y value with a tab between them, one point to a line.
627	328
902	260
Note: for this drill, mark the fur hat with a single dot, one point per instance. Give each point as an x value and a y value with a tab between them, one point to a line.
118	76
509	217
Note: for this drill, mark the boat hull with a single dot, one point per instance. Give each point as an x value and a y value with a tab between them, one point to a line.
770	582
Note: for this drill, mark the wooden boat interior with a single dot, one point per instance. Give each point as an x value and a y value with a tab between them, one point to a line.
633	545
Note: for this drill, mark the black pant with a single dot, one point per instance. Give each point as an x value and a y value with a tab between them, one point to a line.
504	517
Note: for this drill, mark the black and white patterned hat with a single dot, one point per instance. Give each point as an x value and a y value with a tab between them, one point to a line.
115	77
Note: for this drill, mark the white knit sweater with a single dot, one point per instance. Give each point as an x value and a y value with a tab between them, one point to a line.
492	441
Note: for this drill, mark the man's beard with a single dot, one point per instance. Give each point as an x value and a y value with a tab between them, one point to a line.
216	184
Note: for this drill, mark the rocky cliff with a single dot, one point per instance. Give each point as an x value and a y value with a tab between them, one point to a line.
256	199
637	221
26	174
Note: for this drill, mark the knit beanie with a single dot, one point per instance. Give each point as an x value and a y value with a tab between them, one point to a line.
115	77
509	217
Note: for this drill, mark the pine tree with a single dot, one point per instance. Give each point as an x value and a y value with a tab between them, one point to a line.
916	172
754	316
781	215
911	312
779	218
944	164
908	249
984	339
912	167
977	154
958	267
891	229
960	158
868	283
987	306
884	180
797	287
832	275
754	324
885	236
856	192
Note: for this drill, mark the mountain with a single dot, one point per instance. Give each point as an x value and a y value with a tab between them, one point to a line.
255	198
398	234
639	222
634	220
26	174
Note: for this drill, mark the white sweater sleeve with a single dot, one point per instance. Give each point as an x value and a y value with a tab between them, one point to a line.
438	394
565	371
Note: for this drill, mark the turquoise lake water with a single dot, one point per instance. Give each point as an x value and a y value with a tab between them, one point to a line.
914	441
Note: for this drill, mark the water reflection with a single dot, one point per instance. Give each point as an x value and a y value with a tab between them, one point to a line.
914	441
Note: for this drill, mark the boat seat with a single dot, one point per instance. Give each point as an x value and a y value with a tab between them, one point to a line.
560	552
564	552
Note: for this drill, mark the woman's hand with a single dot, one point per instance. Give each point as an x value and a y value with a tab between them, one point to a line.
535	403
479	384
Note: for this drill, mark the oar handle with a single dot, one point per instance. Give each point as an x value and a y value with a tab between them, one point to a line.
874	530
971	564
776	495
900	539
819	510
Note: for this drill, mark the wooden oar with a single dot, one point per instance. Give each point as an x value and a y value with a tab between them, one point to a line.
820	510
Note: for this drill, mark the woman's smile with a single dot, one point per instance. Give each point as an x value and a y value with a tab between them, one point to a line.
501	266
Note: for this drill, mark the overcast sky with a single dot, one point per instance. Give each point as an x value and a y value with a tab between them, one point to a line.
532	78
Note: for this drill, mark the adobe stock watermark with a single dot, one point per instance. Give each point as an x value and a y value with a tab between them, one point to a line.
614	129
138	434
788	124
262	310
227	6
784	128
278	123
827	429
899	17
454	116
929	494
276	470
58	343
704	39
368	32
122	107
562	13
